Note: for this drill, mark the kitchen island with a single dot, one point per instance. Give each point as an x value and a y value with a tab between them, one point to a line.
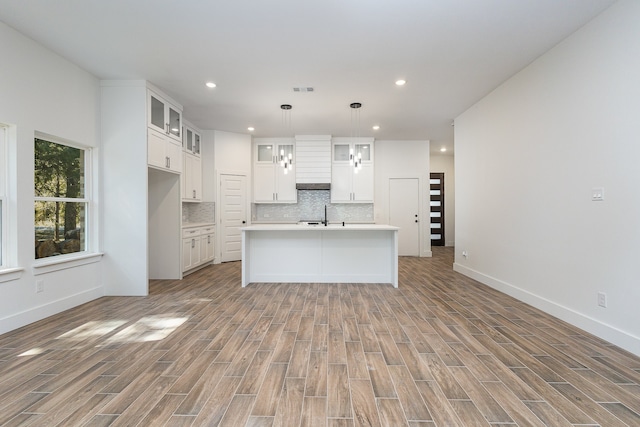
336	253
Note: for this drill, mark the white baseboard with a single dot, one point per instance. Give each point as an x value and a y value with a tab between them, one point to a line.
602	330
26	317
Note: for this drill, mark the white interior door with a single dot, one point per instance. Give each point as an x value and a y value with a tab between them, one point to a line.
404	212
233	215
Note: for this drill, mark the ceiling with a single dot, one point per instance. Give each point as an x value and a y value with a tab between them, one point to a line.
451	53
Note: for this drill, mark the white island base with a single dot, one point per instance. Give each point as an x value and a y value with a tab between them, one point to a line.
318	254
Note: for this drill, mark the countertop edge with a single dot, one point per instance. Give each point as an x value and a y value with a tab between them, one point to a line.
332	227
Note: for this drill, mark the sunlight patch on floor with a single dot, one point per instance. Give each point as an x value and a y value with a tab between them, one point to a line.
92	329
151	328
32	352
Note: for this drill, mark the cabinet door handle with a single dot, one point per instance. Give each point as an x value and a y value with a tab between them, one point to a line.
194	194
208	240
193	243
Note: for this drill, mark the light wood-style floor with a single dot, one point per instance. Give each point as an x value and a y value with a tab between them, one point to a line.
442	350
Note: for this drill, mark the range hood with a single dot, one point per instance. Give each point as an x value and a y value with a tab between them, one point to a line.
313	162
312	186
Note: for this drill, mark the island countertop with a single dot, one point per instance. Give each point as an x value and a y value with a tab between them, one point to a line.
303	253
319	227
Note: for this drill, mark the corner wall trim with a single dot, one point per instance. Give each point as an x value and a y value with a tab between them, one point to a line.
602	330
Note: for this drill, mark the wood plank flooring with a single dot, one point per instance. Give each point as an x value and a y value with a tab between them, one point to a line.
442	350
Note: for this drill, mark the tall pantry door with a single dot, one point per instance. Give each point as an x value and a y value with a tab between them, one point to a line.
233	215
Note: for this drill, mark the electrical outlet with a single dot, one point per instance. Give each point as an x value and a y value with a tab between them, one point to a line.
602	299
39	286
465	254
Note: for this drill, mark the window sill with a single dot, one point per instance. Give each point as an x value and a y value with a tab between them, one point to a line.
62	262
8	274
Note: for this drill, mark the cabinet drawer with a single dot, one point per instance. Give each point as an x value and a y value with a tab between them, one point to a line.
207	230
190	232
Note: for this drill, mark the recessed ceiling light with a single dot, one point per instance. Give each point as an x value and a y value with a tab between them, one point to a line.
443	149
251	128
401	82
211	85
376	127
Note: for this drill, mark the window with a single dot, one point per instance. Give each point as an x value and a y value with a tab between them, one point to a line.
61	203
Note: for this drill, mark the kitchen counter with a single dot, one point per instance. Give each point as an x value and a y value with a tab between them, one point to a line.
300	253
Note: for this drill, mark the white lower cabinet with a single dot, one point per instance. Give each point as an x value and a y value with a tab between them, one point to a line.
206	244
197	246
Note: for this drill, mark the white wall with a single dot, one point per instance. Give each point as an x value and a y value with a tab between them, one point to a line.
442	163
527	158
125	188
402	159
43	92
232	151
207	155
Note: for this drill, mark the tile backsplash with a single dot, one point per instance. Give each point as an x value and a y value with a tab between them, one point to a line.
199	212
310	206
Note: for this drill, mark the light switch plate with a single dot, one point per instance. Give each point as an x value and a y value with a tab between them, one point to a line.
597	194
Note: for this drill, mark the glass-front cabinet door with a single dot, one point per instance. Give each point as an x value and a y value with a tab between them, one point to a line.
341	152
189	137
175	122
164	117
264	153
156	113
196	143
362	152
285	155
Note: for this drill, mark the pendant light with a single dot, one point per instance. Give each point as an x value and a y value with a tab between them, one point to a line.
286	159
355	158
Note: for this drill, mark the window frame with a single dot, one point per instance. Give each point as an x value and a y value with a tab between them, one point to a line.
4	219
89	254
8	264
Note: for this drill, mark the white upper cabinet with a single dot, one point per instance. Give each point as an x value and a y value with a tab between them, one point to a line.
164	117
191	140
192	170
352	170
274	179
192	178
163	154
164	130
